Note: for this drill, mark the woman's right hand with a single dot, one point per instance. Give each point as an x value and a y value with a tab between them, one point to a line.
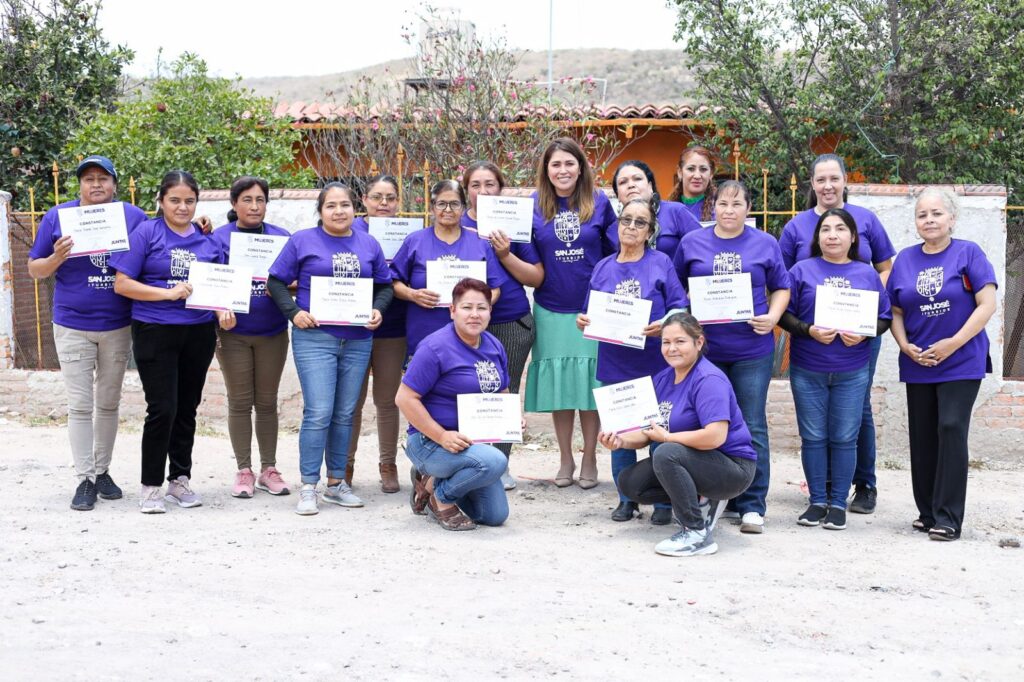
825	336
62	249
454	442
610	440
179	291
304	320
917	354
425	298
582	321
500	243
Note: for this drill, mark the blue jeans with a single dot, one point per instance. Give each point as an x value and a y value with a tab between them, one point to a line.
750	380
331	372
622	459
865	472
471	478
829	406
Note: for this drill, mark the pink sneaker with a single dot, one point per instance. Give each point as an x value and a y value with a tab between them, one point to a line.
271	481
244	481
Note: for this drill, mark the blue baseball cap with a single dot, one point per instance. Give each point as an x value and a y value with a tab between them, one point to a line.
98	161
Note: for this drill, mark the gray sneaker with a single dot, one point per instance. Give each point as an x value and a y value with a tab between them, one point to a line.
151	500
342	495
508	482
687	542
178	491
308	504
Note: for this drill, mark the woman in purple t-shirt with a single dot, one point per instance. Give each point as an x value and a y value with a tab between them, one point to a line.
570	232
702	447
173	344
638	270
635	180
828	367
252	348
943	294
455	481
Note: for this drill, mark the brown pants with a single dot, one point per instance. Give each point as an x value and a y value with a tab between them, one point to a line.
386	362
252	367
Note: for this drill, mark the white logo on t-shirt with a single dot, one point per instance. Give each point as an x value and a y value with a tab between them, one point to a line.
567	226
837	282
100	260
448	257
346	264
929	282
629	288
181	263
664	412
727	263
488	376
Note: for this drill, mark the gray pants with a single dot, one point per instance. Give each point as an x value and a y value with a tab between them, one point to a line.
93	365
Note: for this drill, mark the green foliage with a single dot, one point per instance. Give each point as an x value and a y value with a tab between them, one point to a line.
57	70
189	120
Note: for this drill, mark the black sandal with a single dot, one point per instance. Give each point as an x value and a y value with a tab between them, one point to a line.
921	526
943	534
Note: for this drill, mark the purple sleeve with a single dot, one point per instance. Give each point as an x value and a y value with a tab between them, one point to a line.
286	265
787	244
608	221
43	245
424	370
711	400
796	287
881	246
675	294
884	307
979	270
776	276
381	271
133	216
496	275
130	262
526	252
401	264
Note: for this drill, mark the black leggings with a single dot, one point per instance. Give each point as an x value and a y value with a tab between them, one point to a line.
173	360
679	474
938	419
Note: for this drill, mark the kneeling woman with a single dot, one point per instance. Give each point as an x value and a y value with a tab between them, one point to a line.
462	480
702	448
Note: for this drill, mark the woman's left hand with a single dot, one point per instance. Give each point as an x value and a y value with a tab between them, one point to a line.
851	339
582	322
657	433
763	324
375	320
500	243
940	350
610	440
653	329
227	320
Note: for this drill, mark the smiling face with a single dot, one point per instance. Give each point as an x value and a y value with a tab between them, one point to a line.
337	212
179	206
96	186
251	207
933	220
835	238
482	182
679	349
563	172
635	226
447	206
632	183
828	183
731	209
471	314
381	200
695	170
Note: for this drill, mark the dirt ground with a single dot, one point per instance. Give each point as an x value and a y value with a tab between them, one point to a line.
246	589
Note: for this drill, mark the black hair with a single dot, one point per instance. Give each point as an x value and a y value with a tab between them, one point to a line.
734	186
172	180
646	170
447	186
845	216
323	197
812	198
243	184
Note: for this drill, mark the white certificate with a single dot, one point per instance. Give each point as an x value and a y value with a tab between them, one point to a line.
256	251
617	319
345	301
749	222
219	287
490	417
391	232
443	275
94	229
847	310
511	215
722	298
627	406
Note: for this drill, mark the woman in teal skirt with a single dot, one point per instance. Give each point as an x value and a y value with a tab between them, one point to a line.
570	234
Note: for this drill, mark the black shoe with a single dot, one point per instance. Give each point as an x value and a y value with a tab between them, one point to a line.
106	487
85	496
835	519
864	500
661	516
626	511
814	515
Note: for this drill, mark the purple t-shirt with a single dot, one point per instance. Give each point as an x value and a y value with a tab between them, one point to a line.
393	324
569	251
704	253
703	397
160	257
410	267
936	293
652	278
696	209
264	317
807	275
512	304
83	292
674	222
443	367
874	247
313	252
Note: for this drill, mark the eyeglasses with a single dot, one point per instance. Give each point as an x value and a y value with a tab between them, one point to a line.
638	223
448	205
383	198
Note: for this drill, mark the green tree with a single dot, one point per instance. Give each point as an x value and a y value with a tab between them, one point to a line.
192	121
57	70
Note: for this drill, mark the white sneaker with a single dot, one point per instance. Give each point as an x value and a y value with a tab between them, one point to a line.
687	542
308	504
752	522
507	481
341	495
151	500
178	491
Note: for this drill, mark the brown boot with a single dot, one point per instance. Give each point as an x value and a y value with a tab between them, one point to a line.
389	477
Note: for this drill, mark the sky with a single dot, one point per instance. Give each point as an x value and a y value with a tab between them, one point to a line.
329	36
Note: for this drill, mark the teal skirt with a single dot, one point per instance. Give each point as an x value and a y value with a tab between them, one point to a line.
563	365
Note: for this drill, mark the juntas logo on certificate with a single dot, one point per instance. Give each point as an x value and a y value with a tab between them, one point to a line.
219	287
854	311
100	228
722	299
617	319
511	215
490	417
627	406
